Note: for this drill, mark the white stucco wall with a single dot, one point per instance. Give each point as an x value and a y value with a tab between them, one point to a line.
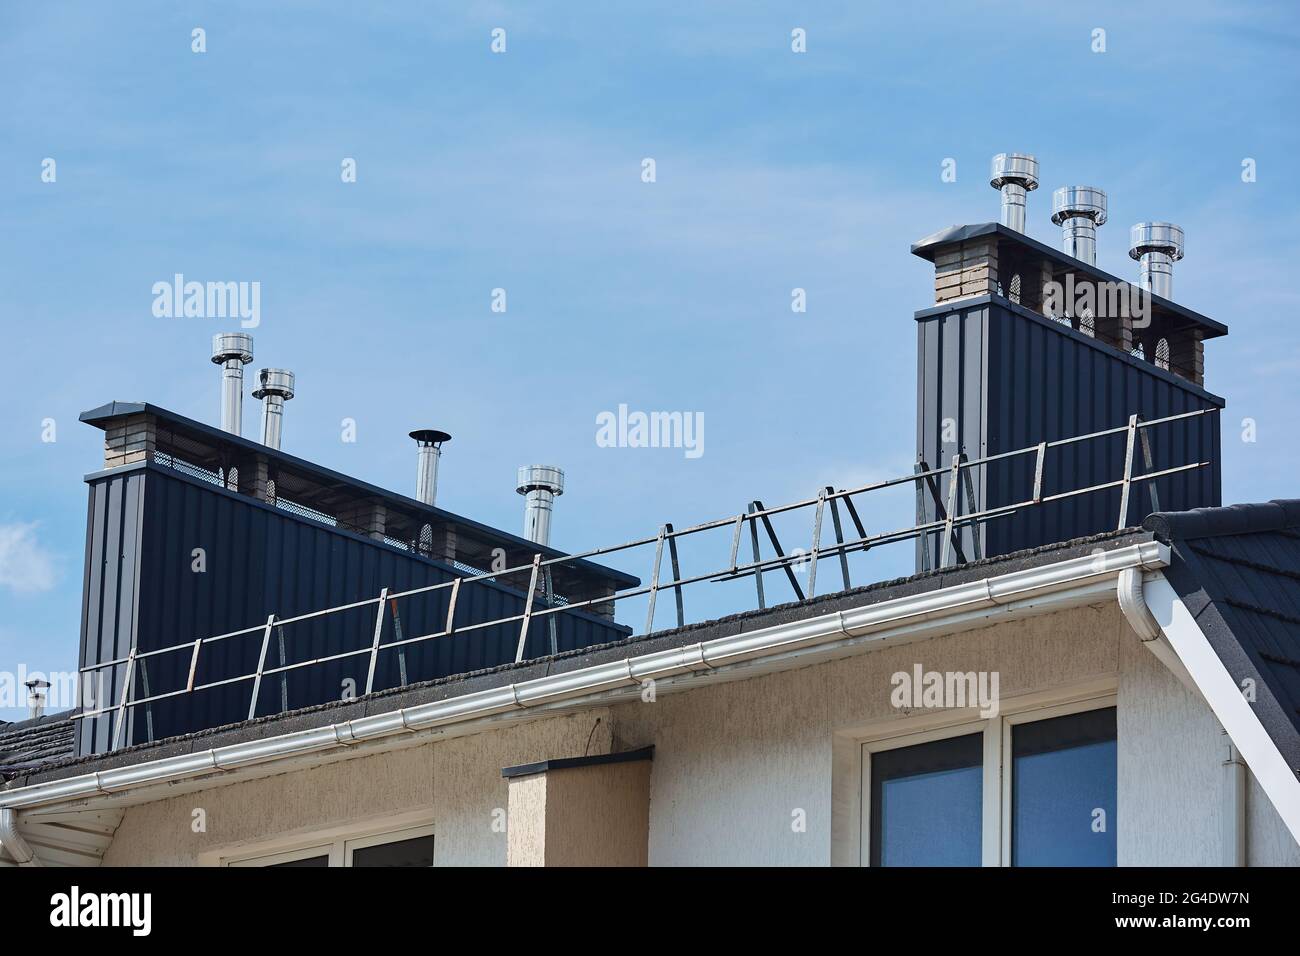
457	782
762	771
1171	777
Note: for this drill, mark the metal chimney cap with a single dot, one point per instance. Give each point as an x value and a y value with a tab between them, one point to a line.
274	381
232	345
1156	237
1019	168
540	478
430	436
1071	201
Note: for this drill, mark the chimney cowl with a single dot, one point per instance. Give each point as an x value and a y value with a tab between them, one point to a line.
1015	175
36	697
1079	210
1157	246
274	381
232	351
430	442
540	485
275	387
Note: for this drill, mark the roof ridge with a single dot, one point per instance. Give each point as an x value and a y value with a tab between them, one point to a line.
1276	515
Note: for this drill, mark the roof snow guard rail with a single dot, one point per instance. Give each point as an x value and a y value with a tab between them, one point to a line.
948	523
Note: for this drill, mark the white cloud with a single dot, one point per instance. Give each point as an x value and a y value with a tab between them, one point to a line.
26	567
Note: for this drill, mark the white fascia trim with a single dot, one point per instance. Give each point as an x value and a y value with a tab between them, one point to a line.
1030	591
1225	698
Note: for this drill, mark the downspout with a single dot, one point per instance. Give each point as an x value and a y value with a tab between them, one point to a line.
13	841
1234	806
1133	602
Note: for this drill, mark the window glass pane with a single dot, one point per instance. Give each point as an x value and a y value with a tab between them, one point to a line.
926	804
414	852
1063	791
306	861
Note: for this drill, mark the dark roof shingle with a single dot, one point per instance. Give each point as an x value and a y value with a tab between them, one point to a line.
1237	569
28	744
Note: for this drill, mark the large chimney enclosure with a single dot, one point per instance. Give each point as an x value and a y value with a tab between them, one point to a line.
998	370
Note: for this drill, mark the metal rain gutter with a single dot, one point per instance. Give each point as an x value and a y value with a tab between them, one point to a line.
1031	591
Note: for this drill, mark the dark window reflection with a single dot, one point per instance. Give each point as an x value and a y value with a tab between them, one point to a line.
1063	791
414	852
306	861
926	804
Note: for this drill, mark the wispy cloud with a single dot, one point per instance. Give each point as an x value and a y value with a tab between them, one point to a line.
26	567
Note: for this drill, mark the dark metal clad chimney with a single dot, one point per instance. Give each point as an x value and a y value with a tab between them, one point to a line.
1006	363
1014	175
275	388
232	351
1079	210
430	442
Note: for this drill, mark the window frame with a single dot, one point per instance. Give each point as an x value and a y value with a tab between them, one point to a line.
337	842
987	787
925	727
285	856
379	839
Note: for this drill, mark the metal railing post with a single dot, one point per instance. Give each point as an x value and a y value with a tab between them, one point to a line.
194	664
126	694
551	624
261	665
977	550
1150	466
953	480
839	537
758	572
1039	463
374	644
528	608
1128	473
677	574
816	542
654	581
451	608
735	541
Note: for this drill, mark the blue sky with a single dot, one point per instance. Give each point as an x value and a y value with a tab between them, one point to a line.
522	171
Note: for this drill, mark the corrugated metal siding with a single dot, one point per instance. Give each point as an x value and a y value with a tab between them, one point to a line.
1009	381
261	560
110	592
